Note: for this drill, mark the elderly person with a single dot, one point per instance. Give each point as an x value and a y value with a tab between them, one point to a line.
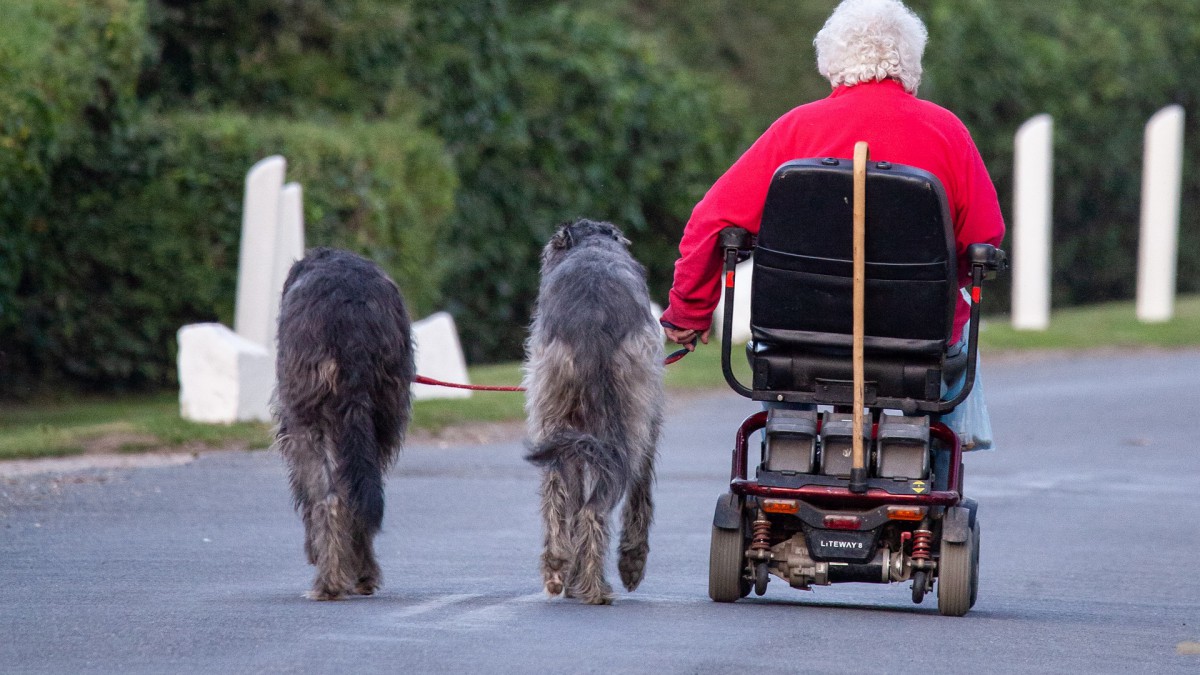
870	51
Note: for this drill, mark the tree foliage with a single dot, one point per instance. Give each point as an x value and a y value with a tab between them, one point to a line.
553	115
447	138
1099	67
122	219
1101	70
67	74
310	58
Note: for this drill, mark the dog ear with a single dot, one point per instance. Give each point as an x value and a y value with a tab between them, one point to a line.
616	234
562	238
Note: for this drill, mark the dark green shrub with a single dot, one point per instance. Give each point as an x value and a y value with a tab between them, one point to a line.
146	239
552	116
1100	67
67	74
1101	70
317	57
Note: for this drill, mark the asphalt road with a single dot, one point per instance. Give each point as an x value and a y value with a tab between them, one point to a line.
1090	560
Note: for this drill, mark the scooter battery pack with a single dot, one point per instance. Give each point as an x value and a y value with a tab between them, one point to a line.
903	447
791	440
837	443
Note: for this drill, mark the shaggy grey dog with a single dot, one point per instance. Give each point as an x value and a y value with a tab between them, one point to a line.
593	375
344	367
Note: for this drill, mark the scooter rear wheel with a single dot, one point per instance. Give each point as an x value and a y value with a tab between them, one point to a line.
727	581
958	574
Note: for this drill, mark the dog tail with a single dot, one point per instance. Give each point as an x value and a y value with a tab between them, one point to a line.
610	472
360	465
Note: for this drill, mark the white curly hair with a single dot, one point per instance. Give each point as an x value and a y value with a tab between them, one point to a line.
866	40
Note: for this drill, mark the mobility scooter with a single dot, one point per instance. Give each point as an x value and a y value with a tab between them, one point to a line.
852	306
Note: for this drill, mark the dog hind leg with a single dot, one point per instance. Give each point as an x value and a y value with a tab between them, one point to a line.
564	454
576	485
370	578
637	516
591	544
311	469
557	510
331	520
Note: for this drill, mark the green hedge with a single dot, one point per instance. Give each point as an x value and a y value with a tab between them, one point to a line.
1099	67
551	116
303	59
380	188
144	237
121	214
68	70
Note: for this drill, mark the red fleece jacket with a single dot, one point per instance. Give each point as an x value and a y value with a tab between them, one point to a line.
899	127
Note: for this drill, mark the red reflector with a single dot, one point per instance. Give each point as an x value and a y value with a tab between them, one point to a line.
976	294
843	522
728	280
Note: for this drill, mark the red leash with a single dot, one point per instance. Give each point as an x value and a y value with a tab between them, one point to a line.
421	379
676	355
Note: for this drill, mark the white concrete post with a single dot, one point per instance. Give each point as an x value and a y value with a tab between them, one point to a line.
438	355
223	377
256	257
741	306
1162	177
289	247
1033	190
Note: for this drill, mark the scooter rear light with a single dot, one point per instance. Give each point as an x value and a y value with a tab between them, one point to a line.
842	522
780	505
906	512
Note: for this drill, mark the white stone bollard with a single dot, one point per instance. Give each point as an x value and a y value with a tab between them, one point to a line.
1033	190
439	356
289	247
256	257
227	376
223	377
741	305
1158	242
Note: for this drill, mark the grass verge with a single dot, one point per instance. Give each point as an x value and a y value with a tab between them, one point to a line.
140	423
112	424
1111	324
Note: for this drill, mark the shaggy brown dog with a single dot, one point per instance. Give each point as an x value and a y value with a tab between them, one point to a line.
344	367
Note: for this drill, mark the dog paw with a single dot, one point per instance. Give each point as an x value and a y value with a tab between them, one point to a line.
554	585
366	586
631	575
597	599
324	594
596	593
632	566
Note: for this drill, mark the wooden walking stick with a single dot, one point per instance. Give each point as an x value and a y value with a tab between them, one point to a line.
858	466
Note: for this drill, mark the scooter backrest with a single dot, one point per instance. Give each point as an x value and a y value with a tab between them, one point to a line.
803	263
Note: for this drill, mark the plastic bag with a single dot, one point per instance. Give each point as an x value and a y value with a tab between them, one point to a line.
970	420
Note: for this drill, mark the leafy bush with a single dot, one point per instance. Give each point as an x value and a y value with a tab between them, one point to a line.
312	58
551	116
1101	70
67	74
147	240
1099	67
447	138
